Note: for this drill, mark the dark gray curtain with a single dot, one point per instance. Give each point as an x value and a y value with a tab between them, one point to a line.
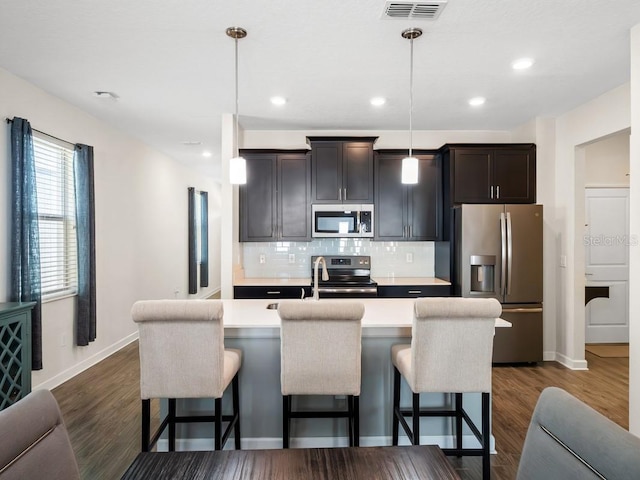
86	233
25	244
204	239
193	272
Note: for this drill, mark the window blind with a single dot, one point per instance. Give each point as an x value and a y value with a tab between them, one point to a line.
56	216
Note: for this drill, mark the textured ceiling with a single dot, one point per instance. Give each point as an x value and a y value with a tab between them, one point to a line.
171	64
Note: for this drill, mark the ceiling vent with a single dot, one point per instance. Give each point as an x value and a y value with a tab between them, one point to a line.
414	10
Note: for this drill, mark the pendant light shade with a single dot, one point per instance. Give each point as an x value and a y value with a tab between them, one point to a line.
238	171
410	163
237	165
409	170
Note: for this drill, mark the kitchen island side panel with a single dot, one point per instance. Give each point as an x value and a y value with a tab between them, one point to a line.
261	401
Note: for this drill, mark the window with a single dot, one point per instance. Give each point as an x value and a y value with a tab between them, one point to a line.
56	217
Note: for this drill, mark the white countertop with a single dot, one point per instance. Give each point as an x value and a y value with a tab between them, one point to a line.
382	317
272	282
402	281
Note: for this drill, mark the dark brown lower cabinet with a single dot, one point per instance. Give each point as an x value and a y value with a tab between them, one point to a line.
275	292
413	291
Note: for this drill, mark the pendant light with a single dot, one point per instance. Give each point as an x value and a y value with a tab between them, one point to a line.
410	163
237	165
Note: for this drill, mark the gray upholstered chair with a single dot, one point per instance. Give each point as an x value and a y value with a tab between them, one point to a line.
34	442
182	355
450	352
320	355
567	439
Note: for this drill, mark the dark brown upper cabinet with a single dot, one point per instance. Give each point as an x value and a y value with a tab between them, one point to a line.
486	173
342	169
490	173
275	201
407	212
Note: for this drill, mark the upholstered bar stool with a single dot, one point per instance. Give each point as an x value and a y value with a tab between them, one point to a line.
450	352
320	355
182	355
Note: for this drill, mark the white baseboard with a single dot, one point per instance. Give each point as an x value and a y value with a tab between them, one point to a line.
570	362
86	363
271	443
548	356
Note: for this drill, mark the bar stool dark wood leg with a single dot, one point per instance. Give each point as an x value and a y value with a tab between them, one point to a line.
172	424
356	421
236	410
396	406
146	424
217	423
486	439
416	419
350	425
286	408
458	400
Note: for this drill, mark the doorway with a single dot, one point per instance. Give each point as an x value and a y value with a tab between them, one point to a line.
606	240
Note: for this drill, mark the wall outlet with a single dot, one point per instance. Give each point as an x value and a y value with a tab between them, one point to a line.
263	258
563	261
292	258
409	257
63	340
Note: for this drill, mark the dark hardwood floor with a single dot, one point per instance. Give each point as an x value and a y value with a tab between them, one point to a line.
101	407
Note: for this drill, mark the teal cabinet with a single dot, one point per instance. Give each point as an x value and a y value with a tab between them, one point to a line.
15	352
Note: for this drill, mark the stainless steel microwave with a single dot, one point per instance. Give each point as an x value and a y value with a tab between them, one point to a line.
342	220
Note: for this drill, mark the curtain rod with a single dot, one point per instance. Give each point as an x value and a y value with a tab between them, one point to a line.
10	120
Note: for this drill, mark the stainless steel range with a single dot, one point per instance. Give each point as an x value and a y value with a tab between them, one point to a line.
348	276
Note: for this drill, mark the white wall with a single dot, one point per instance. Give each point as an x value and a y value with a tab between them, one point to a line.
597	119
607	162
141	228
634	252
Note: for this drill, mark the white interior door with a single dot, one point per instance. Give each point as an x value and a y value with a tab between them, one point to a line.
606	244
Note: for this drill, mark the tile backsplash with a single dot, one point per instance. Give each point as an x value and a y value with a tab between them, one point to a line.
293	259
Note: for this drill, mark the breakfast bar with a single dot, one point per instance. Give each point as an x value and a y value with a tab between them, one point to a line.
254	327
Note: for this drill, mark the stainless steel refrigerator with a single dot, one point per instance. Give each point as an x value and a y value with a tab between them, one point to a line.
497	253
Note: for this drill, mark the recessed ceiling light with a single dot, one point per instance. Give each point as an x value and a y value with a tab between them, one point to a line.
191	143
477	101
279	101
522	64
378	101
206	154
104	94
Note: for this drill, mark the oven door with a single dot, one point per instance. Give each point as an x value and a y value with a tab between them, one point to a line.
348	292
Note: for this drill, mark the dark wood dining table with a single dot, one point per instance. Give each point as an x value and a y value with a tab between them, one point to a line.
384	463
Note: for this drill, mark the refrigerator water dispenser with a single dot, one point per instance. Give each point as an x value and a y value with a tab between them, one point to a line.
482	273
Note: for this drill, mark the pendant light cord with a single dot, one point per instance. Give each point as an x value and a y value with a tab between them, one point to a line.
237	135
411	101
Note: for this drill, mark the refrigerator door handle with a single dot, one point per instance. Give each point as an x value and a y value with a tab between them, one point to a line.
503	252
509	253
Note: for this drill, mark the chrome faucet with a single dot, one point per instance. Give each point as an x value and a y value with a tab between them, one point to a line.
325	276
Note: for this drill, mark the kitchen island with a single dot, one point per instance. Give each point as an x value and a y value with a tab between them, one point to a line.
255	329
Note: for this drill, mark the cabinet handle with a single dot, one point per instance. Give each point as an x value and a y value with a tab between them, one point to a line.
345	193
275	292
415	291
339	194
408	231
491	196
498	192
